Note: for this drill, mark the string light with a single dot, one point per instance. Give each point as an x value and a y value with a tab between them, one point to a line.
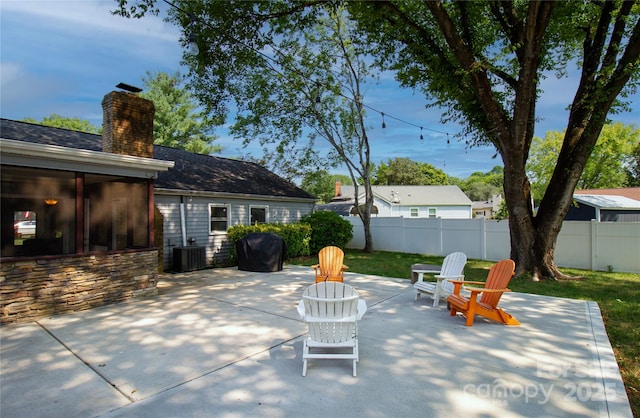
193	42
193	48
318	92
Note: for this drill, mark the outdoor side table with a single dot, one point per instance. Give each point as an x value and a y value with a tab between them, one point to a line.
417	274
418	271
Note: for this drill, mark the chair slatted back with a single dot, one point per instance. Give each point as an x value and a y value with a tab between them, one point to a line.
452	266
331	259
331	309
499	277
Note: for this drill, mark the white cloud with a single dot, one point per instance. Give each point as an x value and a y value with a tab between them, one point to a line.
76	16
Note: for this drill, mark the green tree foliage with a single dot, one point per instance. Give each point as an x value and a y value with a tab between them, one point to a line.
633	170
482	186
608	166
480	61
177	122
74	124
404	171
322	184
328	228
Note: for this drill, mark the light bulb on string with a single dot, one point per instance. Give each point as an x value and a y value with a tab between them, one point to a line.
317	92
384	125
193	41
448	142
193	45
421	137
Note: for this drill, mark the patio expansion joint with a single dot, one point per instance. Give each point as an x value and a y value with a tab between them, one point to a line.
86	363
195	378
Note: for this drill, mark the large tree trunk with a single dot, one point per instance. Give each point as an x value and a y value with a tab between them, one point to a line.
366	220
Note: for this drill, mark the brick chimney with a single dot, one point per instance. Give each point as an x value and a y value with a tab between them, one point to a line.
338	192
127	124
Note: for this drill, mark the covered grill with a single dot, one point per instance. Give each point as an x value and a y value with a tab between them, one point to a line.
262	252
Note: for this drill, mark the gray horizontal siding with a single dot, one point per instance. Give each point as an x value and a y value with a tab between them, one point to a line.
197	222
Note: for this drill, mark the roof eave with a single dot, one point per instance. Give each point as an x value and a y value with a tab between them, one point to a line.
230	195
29	154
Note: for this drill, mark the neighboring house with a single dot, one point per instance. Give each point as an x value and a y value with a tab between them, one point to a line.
446	202
605	205
94	200
487	208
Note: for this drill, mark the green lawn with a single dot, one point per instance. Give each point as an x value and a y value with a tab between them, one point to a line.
615	293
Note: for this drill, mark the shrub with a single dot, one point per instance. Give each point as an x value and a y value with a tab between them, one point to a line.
328	228
296	237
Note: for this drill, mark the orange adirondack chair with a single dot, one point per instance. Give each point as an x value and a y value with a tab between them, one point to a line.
330	267
487	305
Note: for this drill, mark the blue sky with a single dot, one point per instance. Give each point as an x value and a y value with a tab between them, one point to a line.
63	56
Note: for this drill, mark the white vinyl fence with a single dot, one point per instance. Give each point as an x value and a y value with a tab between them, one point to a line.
581	244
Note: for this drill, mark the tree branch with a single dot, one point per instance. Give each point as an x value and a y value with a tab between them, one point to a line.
495	114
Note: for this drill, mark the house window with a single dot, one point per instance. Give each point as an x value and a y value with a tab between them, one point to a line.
38	212
414	212
219	218
432	213
258	215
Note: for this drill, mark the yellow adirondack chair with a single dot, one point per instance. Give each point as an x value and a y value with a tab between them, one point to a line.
330	267
487	305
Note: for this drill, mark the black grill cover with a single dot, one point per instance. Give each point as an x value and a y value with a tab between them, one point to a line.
263	252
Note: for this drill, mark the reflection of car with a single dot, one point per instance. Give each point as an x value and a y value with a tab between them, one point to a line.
25	229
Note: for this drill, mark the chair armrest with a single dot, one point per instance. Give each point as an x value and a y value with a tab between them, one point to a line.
466	282
315	266
345	267
459	278
362	308
300	309
484	290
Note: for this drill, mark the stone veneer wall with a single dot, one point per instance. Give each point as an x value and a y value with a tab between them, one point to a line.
33	289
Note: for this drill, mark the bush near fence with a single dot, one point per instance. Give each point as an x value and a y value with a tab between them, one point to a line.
328	228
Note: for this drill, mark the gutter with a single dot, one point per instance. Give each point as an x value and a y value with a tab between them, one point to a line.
200	193
27	154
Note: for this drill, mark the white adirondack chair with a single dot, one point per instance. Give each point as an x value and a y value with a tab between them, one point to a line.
452	269
331	309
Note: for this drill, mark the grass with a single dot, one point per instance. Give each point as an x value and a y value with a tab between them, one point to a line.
615	293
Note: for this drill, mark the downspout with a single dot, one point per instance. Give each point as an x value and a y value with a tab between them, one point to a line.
183	223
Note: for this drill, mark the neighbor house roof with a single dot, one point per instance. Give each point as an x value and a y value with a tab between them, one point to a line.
607	202
630	192
191	173
415	195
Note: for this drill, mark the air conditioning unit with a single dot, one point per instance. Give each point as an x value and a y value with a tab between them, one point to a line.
189	258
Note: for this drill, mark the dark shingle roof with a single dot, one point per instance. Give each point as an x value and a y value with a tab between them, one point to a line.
192	172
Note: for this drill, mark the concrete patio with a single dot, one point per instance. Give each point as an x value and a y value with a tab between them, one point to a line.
228	343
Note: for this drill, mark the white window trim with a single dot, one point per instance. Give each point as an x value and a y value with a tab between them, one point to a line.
219	205
417	212
266	213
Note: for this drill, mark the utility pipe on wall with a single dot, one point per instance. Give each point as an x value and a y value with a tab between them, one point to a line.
183	223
